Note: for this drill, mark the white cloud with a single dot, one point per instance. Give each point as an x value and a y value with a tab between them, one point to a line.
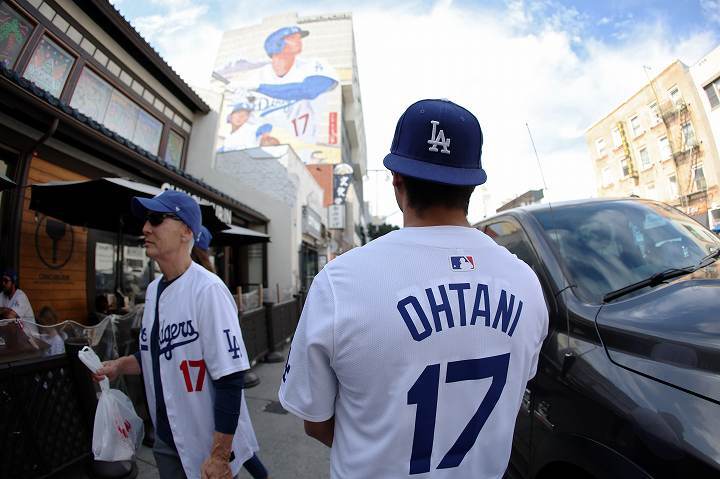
164	25
506	78
532	62
711	8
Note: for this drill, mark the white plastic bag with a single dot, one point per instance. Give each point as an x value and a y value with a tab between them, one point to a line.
118	430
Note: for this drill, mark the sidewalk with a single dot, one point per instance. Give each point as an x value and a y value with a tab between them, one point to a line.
284	448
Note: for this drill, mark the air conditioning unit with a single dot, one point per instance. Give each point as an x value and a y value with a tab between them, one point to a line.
714	218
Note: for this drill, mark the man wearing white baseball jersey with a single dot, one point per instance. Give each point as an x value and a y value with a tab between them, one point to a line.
413	352
192	354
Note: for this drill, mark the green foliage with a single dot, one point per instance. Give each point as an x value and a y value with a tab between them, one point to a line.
377	231
11	28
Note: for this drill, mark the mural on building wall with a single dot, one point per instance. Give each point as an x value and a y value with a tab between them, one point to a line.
14	33
49	67
284	97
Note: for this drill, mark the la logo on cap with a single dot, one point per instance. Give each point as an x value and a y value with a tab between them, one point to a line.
438	139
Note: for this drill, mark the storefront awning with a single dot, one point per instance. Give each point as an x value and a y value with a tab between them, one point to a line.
103	204
239	235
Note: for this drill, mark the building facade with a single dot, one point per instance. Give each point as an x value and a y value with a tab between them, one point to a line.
287	90
83	97
659	144
706	75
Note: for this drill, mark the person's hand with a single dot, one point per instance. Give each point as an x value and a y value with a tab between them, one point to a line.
216	467
110	369
7	313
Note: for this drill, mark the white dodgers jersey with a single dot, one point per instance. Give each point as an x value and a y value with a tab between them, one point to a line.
420	344
296	115
199	340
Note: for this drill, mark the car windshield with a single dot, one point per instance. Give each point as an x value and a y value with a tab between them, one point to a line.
606	246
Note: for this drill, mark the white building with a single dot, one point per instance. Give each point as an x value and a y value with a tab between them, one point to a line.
245	62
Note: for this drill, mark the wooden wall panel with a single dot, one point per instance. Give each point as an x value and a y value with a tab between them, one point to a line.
62	287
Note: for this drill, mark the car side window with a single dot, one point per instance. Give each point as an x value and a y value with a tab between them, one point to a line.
510	235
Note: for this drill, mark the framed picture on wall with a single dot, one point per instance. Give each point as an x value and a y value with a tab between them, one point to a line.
49	67
92	95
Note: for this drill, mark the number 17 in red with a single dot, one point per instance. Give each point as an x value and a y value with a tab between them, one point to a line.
185	368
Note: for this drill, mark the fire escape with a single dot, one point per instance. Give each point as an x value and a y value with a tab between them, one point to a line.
677	117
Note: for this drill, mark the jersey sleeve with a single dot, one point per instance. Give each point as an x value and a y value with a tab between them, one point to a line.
222	343
309	385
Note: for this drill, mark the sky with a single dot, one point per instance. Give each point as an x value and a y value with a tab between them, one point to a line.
553	67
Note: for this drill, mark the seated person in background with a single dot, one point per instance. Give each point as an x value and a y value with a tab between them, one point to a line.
53	336
14	303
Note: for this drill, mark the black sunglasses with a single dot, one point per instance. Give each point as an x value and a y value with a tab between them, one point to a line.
156	219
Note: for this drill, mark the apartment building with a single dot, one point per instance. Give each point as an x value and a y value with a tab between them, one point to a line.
658	144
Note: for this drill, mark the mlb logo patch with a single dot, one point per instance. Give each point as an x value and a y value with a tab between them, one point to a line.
462	263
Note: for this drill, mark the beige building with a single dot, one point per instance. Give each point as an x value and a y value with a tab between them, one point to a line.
706	73
658	144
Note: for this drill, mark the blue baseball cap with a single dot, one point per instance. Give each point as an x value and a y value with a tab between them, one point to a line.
170	201
438	141
275	42
204	240
12	274
242	106
263	129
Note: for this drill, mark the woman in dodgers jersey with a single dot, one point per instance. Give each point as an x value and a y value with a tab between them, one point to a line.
192	354
413	352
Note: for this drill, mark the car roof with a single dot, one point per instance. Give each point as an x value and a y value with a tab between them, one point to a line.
524	210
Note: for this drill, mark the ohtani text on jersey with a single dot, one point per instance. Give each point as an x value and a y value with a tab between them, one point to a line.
504	314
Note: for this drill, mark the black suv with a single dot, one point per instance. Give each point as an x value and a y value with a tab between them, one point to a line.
628	383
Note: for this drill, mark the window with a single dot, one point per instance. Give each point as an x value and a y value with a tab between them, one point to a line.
712	91
654	113
136	267
672	186
635	125
606	246
174	149
644	157
91	95
699	183
650	190
625	164
616	137
688	136
49	67
95	98
607	178
14	34
600	146
510	235
675	96
664	146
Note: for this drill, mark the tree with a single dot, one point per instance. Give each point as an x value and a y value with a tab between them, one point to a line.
376	231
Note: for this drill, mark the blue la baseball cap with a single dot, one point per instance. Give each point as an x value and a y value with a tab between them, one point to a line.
170	201
275	42
438	141
204	240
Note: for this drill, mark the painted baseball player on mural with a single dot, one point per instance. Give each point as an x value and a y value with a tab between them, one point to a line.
288	100
413	352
